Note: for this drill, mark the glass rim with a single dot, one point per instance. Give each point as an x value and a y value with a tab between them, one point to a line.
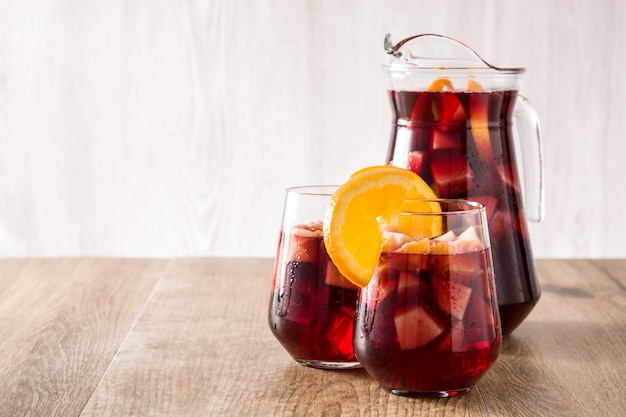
322	189
474	207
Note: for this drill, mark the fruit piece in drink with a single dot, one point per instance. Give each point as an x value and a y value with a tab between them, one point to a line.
313	305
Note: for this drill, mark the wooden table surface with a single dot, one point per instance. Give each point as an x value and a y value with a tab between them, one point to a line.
189	337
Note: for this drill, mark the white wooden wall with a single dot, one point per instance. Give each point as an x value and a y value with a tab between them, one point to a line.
171	128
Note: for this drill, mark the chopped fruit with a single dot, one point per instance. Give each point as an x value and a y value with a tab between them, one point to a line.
454	341
440	248
447	108
479	121
446	237
352	233
468	241
446	244
341	325
418	162
422	110
467	270
441	84
421	246
334	277
452	298
406	281
451	173
392	241
445	141
386	286
416	327
469	234
410	289
465	246
470	265
478	314
452	110
302	247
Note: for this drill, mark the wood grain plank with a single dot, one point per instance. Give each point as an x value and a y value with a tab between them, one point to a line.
568	358
189	337
203	347
62	320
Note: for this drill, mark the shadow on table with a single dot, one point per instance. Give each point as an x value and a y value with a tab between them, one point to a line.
547	369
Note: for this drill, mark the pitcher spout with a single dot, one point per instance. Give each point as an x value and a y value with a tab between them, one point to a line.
430	50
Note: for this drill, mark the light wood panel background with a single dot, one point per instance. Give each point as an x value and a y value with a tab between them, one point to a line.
171	128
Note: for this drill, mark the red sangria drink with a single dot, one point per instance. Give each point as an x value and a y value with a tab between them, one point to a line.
427	323
312	305
454	116
460	142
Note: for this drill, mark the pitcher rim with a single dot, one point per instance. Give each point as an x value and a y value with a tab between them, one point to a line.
477	71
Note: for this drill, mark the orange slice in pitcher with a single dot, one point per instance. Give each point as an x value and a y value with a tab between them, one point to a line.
441	84
352	231
447	108
479	121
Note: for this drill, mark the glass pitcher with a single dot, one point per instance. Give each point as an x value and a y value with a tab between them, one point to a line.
460	124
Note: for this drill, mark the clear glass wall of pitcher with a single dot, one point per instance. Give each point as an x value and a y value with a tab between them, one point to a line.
460	124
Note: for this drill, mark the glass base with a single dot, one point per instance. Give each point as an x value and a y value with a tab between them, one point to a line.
429	394
329	364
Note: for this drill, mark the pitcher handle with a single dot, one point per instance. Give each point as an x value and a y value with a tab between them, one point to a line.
527	139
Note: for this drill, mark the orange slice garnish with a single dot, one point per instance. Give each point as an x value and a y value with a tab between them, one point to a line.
361	207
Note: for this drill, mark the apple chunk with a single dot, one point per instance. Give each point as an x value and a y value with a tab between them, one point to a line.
445	141
304	245
333	277
418	162
452	298
416	327
451	173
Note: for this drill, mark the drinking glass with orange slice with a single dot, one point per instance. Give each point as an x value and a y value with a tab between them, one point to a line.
427	322
312	306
